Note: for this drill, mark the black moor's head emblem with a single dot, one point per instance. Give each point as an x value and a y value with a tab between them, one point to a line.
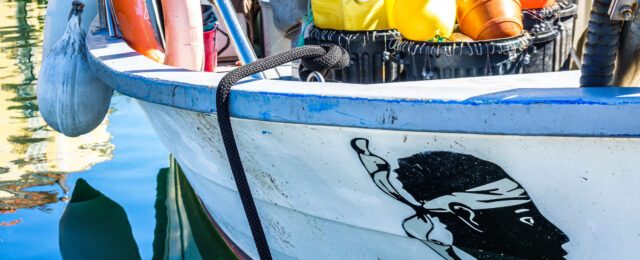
465	206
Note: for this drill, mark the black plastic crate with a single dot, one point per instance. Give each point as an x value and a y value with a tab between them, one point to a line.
541	24
443	60
566	30
541	54
370	54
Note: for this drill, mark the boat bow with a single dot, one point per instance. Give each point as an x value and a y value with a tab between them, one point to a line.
530	104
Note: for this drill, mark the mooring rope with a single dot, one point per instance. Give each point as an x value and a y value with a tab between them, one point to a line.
314	58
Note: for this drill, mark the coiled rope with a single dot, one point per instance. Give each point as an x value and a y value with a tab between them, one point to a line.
314	58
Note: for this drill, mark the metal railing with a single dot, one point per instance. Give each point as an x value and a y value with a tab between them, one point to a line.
106	17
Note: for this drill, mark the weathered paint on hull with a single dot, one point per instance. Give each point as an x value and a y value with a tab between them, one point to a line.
528	166
316	199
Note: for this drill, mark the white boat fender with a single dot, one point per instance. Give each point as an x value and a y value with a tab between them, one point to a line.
56	20
71	99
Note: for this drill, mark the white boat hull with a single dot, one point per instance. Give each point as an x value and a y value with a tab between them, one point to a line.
316	200
527	166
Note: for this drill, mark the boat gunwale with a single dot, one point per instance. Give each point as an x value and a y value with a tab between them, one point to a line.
499	110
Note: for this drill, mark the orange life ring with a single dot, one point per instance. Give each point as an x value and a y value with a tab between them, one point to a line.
183	34
536	4
135	25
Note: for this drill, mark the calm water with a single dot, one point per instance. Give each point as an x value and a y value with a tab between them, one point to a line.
57	193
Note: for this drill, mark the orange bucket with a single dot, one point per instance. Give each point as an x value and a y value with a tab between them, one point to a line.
536	4
490	19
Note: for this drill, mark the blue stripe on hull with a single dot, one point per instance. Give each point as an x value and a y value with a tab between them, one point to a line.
518	111
587	115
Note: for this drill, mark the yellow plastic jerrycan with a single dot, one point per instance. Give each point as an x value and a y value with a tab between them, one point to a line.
423	20
353	15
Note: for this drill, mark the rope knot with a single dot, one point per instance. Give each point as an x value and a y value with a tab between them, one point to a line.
335	58
326	57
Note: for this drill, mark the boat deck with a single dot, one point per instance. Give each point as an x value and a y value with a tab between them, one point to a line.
527	104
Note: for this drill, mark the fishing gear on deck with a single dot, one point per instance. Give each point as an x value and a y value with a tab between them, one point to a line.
354	15
430	37
541	23
369	51
437	60
490	20
418	20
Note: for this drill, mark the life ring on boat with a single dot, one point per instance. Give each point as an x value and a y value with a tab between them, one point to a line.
135	25
183	34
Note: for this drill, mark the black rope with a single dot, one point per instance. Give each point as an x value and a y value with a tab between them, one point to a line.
226	44
315	58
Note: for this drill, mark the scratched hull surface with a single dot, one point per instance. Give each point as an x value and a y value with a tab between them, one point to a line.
320	195
525	166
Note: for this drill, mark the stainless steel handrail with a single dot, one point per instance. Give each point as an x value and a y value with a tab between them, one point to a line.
102	15
111	25
241	43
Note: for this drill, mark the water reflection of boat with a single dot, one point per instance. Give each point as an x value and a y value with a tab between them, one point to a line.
530	166
30	154
183	229
95	227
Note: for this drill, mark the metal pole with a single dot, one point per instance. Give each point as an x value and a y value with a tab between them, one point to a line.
111	27
102	14
240	41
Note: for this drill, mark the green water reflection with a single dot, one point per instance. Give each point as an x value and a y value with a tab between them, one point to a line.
94	226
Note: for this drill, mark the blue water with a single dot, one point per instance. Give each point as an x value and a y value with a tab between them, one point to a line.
129	179
39	168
